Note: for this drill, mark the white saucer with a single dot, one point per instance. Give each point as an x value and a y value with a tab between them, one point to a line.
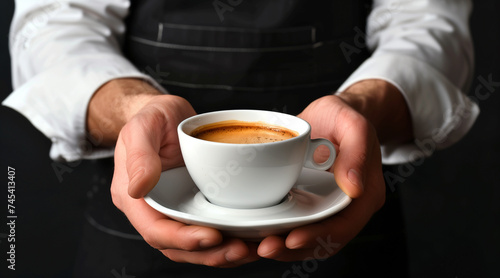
315	196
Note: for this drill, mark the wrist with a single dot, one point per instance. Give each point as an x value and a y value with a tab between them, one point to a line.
383	105
113	105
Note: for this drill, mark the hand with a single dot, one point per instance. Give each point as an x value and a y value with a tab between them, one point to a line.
147	145
357	168
142	124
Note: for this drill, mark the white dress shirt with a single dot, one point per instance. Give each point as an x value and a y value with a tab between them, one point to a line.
63	51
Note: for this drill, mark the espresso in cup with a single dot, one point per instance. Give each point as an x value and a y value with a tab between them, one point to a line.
241	132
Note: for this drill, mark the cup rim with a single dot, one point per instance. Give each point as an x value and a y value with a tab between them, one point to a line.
301	135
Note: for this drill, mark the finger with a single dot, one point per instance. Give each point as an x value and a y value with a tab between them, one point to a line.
330	117
271	247
142	139
325	238
275	248
343	226
335	231
163	233
230	253
309	242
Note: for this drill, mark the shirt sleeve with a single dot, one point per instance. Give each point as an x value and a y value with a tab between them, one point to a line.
62	52
424	48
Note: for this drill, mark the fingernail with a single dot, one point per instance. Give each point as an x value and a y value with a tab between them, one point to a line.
267	253
206	243
355	178
233	257
294	244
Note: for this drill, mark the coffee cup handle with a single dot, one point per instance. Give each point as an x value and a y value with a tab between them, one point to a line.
313	145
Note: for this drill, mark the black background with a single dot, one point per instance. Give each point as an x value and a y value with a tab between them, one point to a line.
451	202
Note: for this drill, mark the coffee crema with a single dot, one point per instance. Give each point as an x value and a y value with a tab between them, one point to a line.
241	132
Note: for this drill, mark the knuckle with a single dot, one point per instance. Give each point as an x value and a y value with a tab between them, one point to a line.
353	122
150	238
115	197
181	243
184	239
136	155
172	255
361	158
188	245
129	129
214	261
179	256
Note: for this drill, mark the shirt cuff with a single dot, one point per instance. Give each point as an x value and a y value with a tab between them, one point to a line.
441	114
55	102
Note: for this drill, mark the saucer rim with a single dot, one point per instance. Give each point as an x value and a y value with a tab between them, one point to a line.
337	205
196	219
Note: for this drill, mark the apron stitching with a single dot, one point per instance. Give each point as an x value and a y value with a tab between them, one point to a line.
160	32
234	29
226	49
229	87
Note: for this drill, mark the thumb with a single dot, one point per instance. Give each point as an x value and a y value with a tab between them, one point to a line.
355	153
143	162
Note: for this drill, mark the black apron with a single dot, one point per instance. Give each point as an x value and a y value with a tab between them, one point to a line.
226	54
272	55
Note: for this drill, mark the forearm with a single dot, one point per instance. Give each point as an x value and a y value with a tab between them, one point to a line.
384	106
113	105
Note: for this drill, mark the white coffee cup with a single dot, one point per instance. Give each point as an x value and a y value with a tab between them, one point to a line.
249	176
